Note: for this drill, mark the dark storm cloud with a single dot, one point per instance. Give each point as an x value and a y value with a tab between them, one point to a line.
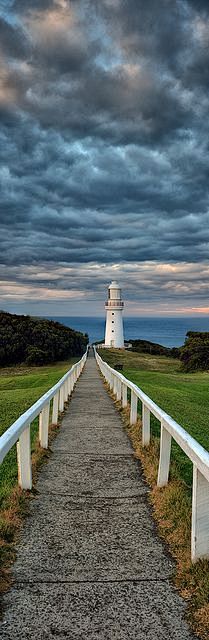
13	40
104	134
27	5
143	24
199	5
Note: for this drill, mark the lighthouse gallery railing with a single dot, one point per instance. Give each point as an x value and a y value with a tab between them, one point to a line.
114	303
19	432
169	429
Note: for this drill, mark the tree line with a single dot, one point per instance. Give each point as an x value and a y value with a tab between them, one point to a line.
153	348
194	354
37	341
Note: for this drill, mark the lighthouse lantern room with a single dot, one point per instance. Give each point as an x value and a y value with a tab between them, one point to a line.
114	320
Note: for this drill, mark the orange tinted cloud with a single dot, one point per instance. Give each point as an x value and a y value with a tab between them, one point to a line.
51	23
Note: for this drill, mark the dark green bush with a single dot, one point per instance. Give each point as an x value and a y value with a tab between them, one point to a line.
195	352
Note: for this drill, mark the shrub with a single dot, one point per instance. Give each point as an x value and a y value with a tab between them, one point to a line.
195	352
35	356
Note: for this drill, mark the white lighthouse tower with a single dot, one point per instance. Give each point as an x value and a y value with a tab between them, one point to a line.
114	321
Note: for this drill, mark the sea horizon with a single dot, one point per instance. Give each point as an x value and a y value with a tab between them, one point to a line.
170	331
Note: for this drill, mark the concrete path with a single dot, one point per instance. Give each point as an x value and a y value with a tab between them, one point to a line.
90	564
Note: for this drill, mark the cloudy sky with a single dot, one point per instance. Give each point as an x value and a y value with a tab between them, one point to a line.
104	155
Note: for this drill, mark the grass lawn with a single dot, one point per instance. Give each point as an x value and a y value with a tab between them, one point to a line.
185	397
20	387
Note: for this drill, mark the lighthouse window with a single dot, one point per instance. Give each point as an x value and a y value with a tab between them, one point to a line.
112	321
113	314
112	330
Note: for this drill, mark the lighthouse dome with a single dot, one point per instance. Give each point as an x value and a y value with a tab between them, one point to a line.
114	285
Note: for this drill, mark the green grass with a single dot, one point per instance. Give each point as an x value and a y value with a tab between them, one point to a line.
185	397
19	388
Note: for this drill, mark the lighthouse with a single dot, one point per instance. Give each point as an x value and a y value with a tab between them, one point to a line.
114	320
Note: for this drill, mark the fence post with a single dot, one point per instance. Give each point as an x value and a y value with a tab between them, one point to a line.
44	426
200	516
69	385
133	412
61	399
165	452
124	396
74	378
145	425
55	408
114	385
111	381
72	381
24	460
65	391
118	394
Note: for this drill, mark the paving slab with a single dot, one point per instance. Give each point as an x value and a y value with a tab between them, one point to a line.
86	420
90	540
79	440
91	475
87	413
114	611
90	564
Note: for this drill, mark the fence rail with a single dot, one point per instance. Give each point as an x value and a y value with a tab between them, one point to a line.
169	429
19	432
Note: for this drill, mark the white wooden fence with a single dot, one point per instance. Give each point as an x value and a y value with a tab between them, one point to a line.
169	429
19	432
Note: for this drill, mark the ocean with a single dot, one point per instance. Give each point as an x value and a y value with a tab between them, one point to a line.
170	332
